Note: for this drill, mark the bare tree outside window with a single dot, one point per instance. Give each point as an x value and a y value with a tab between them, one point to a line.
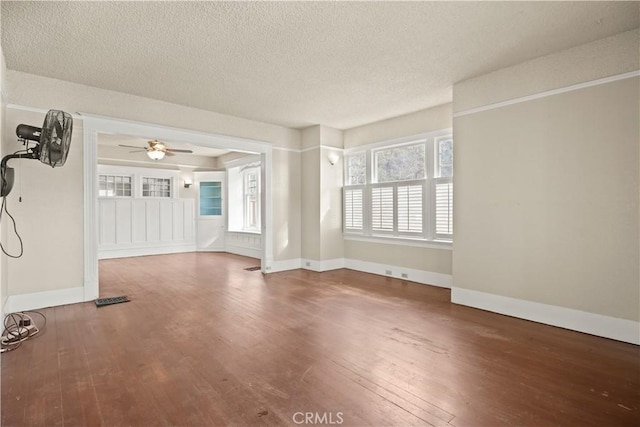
400	163
356	169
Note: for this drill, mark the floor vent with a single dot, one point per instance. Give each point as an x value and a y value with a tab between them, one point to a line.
253	268
111	300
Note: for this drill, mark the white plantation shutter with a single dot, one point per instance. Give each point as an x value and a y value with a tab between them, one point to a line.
401	189
382	209
410	208
444	208
353	209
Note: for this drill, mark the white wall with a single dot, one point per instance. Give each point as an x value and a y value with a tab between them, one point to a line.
411	257
547	190
136	225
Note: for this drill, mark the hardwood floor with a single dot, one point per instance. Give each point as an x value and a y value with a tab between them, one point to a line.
204	342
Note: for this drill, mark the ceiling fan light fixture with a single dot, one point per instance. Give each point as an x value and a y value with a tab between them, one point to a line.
155	155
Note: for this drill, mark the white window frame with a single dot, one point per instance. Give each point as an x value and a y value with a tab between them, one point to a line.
171	189
245	198
428	236
242	167
117	175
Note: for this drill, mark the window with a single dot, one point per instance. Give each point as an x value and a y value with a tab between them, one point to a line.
243	196
356	169
401	190
211	198
400	163
114	186
444	188
353	209
156	187
251	201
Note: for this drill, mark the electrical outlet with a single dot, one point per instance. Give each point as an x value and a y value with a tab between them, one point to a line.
405	275
389	272
307	264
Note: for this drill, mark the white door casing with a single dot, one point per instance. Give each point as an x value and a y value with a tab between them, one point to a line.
210	229
93	125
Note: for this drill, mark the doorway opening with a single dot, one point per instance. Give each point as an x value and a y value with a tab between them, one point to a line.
135	205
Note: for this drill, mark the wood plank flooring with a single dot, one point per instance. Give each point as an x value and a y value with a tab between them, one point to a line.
204	342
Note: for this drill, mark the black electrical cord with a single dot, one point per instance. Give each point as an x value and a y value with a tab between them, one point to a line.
19	333
4	209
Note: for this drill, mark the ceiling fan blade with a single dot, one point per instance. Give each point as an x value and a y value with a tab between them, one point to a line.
168	153
132	146
179	151
137	151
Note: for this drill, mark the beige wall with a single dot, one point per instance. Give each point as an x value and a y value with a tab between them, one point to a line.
4	290
419	258
421	121
426	259
331	240
310	198
606	57
287	187
56	196
321	194
42	92
49	218
547	190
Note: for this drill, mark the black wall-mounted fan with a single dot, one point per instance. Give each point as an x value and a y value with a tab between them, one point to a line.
51	147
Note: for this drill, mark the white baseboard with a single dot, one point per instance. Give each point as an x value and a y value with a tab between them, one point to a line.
576	320
244	251
419	276
44	299
5	309
283	265
143	251
324	265
403	273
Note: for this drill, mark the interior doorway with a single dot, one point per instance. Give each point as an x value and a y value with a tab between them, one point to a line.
96	126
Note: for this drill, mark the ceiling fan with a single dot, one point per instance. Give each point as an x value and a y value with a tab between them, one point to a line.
157	150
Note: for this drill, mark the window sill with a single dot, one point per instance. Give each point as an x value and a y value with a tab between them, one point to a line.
252	233
402	241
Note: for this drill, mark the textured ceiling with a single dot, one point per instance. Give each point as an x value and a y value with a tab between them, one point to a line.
295	63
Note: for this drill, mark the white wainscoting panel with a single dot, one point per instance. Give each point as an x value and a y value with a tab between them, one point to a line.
246	244
134	227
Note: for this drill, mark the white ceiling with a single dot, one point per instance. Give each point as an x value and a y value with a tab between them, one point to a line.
295	63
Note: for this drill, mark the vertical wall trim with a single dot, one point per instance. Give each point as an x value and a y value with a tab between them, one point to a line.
267	214
90	167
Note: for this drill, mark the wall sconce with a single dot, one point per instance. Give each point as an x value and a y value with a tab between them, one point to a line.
187	183
333	158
